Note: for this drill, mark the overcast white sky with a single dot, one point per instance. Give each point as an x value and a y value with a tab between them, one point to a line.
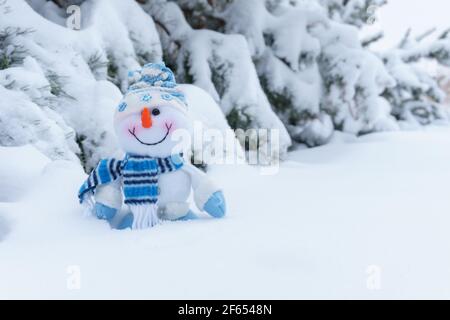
398	15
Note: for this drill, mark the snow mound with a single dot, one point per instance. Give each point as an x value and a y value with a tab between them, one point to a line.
20	166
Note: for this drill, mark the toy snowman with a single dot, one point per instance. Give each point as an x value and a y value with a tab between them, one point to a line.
152	179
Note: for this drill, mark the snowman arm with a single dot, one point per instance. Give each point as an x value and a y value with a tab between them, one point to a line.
110	194
202	185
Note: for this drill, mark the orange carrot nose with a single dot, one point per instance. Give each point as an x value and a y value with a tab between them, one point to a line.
146	118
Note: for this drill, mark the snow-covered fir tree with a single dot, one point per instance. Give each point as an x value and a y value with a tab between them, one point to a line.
310	61
417	98
57	96
297	66
354	12
219	63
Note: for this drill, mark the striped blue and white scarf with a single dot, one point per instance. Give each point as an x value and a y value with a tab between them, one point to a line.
140	177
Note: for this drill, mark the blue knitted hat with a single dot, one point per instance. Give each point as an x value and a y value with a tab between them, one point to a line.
152	86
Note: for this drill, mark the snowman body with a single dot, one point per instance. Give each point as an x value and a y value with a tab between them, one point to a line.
175	187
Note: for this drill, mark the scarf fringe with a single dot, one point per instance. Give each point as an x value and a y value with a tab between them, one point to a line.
144	216
88	205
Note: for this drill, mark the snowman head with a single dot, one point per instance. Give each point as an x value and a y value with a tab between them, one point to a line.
150	112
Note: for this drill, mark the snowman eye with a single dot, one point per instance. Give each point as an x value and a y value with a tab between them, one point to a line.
156	112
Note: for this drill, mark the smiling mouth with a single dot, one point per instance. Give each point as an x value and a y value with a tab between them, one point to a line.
150	144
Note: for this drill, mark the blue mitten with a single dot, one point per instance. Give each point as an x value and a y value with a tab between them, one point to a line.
104	212
189	216
127	222
215	206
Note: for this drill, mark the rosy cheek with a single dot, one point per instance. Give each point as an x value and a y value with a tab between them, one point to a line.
170	125
131	127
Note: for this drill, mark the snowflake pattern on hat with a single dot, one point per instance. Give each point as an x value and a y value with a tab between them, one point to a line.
122	106
166	96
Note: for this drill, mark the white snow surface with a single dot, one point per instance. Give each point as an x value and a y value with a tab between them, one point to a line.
310	231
